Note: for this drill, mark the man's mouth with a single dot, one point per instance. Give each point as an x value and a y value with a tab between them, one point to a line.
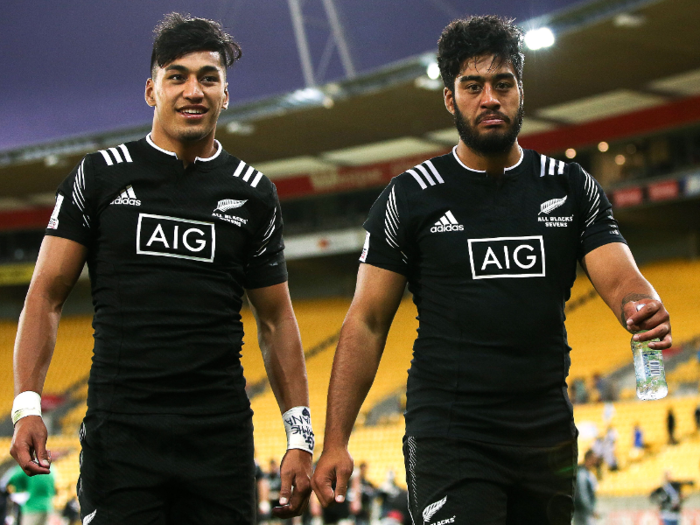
493	119
192	111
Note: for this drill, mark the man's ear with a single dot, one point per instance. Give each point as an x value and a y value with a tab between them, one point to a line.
226	97
149	93
449	98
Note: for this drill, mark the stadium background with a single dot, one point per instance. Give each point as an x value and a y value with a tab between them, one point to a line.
619	92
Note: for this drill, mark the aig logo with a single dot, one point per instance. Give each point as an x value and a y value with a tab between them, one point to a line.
504	257
174	237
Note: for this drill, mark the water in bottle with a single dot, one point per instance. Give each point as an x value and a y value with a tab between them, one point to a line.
649	369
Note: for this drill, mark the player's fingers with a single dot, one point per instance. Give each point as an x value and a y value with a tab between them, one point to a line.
659	331
43	456
23	449
341	484
293	496
286	486
666	342
322	483
643	316
300	493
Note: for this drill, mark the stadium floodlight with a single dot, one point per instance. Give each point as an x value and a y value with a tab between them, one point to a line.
539	38
433	71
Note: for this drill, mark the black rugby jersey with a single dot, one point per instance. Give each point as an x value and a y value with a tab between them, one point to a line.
171	251
490	263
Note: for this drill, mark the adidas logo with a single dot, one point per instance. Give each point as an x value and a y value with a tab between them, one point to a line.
127	197
447	223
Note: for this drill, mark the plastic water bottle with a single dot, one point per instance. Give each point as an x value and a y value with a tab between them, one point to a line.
649	369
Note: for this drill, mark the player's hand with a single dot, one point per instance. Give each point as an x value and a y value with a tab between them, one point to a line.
29	446
332	472
295	472
652	316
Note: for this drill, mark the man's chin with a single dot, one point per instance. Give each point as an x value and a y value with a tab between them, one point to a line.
193	135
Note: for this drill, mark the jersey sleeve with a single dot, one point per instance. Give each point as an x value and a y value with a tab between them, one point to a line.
266	266
385	245
598	226
71	217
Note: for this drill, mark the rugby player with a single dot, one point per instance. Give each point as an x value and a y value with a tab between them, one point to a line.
487	238
175	232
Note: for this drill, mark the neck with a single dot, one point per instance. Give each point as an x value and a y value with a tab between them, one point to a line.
187	152
493	165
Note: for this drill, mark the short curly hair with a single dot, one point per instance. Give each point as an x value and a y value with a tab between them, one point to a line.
177	35
477	36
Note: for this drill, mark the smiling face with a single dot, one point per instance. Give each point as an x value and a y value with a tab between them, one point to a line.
188	95
487	105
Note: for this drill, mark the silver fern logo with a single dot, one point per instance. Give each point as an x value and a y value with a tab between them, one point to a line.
87	519
229	204
551	205
430	510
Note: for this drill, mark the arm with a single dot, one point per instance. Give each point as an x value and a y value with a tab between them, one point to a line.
57	269
283	355
615	276
362	340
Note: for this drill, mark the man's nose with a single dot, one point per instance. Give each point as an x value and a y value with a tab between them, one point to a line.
488	97
192	89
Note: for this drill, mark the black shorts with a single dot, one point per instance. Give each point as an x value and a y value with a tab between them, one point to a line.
166	469
457	481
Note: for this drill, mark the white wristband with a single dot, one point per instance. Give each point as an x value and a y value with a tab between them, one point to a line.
297	425
26	404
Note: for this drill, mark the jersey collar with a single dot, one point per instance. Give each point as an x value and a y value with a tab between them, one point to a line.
509	168
219	149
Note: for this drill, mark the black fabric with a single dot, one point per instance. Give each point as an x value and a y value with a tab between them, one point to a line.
490	263
458	481
167	469
171	251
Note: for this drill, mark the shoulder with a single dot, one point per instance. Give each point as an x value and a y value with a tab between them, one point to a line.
547	167
424	176
241	174
110	160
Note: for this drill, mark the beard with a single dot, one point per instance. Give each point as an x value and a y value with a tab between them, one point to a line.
493	143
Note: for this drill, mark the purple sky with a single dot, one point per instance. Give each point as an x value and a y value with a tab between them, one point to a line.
71	67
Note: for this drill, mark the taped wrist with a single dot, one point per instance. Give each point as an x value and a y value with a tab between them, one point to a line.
297	425
26	404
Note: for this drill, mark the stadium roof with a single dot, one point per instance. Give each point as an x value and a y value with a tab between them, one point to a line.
610	57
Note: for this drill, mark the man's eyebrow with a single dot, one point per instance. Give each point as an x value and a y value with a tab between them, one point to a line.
480	78
183	69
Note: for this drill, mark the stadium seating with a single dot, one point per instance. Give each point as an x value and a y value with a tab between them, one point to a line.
599	344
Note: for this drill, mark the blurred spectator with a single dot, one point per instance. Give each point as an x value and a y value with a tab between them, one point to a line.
638	446
609	444
337	513
671	426
669	497
364	492
638	441
33	494
394	502
586	486
71	512
696	416
262	494
274	484
3	504
578	393
598	448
